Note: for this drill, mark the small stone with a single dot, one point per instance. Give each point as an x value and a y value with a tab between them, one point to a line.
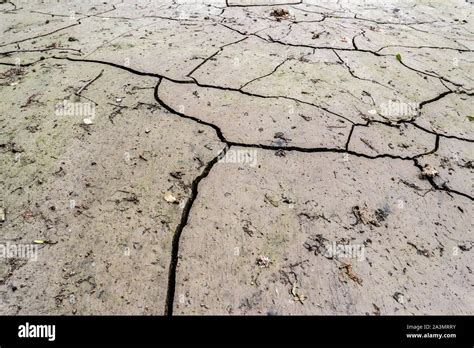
169	197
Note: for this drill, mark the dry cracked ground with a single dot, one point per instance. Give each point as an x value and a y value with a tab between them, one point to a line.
236	157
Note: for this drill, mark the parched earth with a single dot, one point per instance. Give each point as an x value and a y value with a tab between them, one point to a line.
237	157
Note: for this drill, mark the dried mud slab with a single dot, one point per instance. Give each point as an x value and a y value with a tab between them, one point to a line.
257	244
17	28
396	92
390	38
57	8
130	42
182	47
452	115
404	140
93	193
454	162
33	23
452	66
79	38
246	61
256	120
330	33
356	85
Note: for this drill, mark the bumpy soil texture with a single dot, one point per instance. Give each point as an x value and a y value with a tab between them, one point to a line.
236	157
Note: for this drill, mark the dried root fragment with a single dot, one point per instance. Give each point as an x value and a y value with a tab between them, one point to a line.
367	217
296	295
347	267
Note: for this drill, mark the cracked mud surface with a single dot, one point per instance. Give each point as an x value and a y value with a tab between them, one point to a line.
234	149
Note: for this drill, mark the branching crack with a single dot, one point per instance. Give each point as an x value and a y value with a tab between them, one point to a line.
227	144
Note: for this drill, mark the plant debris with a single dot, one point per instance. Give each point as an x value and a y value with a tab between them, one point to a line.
249	228
177	175
280	153
296	295
316	244
429	171
12	75
306	118
366	217
376	309
347	267
88	83
39	241
424	252
280	13
273	201
263	261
